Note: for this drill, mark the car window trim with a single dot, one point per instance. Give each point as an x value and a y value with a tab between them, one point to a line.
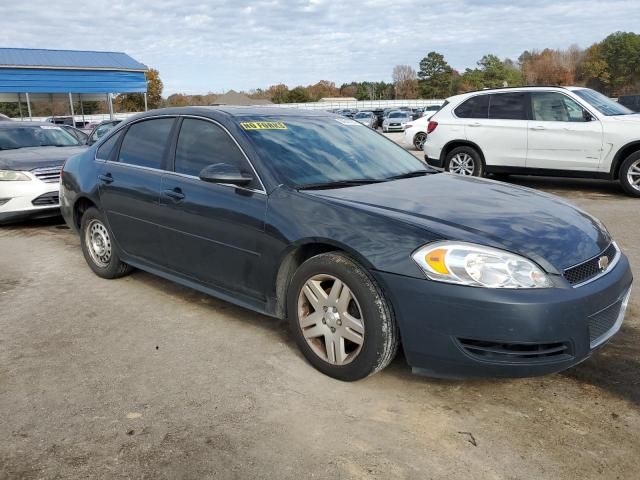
226	130
171	158
576	100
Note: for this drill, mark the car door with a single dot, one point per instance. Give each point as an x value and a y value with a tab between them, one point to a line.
130	181
212	231
562	134
497	123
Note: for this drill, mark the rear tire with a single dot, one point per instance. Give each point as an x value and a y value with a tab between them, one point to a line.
419	139
464	161
98	247
340	319
629	174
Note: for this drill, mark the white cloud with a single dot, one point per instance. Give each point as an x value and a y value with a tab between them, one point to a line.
220	44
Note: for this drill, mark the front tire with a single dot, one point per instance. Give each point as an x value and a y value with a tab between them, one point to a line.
464	161
630	174
98	246
340	319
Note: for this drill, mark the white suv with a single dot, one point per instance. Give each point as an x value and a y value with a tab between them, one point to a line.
554	131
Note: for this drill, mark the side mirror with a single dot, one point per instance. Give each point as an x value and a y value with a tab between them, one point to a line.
224	173
587	116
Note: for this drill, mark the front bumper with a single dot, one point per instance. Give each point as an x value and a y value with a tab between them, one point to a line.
454	331
31	199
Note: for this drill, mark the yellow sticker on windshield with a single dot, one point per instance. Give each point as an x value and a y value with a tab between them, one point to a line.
263	126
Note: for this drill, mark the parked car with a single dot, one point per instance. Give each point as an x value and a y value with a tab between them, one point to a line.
415	133
379	113
367	118
346	112
554	131
632	102
79	135
304	215
429	110
31	156
100	129
395	121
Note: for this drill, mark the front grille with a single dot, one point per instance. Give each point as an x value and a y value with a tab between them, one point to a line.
50	198
515	352
48	174
591	268
601	323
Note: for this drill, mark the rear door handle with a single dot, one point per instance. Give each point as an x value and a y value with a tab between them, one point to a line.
476	124
538	127
175	194
106	178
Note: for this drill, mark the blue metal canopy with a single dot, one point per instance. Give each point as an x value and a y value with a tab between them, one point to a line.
68	71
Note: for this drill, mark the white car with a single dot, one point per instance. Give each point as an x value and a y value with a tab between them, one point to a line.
395	121
553	131
31	157
415	132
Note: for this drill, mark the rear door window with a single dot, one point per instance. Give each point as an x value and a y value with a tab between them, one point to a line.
508	106
145	143
475	107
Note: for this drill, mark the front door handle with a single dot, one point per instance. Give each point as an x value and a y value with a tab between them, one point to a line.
175	194
476	124
538	127
106	178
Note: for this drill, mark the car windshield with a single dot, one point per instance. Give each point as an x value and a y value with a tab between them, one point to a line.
362	115
603	104
35	136
311	151
397	115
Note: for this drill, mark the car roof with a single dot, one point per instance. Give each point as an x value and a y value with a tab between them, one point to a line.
18	124
237	112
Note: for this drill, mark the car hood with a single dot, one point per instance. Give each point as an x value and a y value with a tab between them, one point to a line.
635	118
36	157
539	226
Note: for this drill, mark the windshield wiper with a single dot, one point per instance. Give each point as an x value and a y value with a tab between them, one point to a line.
414	173
338	184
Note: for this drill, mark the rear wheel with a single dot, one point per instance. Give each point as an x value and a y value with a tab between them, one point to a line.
464	161
630	174
340	318
419	139
98	247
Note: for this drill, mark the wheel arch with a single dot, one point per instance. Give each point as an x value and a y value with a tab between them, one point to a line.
621	155
296	255
460	143
81	205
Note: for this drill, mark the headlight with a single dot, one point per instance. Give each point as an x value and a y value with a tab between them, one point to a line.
479	266
12	176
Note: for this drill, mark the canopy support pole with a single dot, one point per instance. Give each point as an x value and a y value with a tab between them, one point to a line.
146	107
20	108
29	107
84	123
73	115
110	106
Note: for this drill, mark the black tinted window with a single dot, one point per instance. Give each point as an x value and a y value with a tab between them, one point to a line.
475	107
145	142
106	149
508	106
203	143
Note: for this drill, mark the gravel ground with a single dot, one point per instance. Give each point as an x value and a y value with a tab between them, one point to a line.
142	378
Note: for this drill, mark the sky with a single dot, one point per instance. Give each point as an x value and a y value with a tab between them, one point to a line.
202	46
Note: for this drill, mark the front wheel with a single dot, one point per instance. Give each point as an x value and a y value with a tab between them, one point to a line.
419	139
98	247
464	161
630	174
340	318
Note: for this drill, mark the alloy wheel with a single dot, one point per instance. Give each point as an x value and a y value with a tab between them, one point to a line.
462	164
98	243
633	175
331	319
419	140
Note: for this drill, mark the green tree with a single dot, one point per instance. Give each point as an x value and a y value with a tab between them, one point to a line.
621	52
298	95
278	93
134	102
593	70
491	73
436	76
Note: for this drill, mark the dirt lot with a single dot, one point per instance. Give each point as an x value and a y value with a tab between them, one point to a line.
143	378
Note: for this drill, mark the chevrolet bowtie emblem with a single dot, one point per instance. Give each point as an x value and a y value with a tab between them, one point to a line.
603	263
